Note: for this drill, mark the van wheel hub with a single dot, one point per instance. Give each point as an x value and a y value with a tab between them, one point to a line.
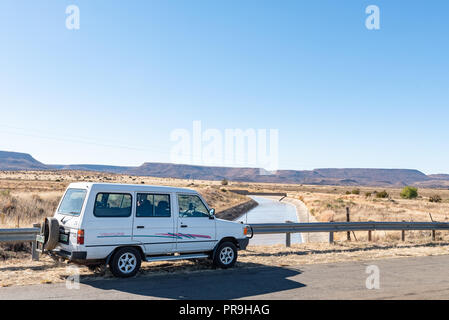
127	262
226	255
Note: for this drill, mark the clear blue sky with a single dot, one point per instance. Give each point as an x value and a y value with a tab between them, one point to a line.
339	94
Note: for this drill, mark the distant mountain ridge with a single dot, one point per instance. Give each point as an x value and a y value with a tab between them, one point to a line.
19	161
325	176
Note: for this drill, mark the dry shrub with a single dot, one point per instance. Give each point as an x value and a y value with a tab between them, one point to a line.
16	250
28	208
327	216
435	198
9	206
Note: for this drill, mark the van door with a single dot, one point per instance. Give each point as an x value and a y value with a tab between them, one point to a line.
108	220
195	229
154	223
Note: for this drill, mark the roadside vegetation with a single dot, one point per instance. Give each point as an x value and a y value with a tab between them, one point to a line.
409	193
329	203
28	197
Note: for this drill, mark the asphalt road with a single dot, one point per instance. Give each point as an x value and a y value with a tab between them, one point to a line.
400	278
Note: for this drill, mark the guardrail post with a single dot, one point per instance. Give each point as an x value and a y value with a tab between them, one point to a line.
331	237
403	235
433	235
369	236
288	237
34	252
348	235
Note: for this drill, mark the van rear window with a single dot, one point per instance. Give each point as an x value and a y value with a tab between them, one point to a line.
113	205
72	203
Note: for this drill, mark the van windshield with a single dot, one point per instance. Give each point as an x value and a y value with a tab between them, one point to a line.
72	203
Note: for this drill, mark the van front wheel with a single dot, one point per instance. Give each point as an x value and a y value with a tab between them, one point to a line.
125	263
226	255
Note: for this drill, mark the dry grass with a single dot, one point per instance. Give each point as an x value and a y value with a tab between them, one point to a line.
19	271
34	195
332	207
31	195
328	203
23	209
26	197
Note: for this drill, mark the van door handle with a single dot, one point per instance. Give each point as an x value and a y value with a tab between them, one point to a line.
183	226
140	227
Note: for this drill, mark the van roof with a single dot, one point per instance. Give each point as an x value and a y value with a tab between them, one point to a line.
127	187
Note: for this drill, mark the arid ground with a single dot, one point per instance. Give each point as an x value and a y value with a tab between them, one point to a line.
28	197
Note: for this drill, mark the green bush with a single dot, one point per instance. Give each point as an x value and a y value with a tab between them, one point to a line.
435	198
348	192
367	194
224	182
356	191
382	194
409	193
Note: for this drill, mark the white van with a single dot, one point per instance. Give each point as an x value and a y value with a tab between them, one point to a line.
121	225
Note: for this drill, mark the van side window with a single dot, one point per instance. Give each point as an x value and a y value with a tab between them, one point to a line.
191	206
153	205
113	205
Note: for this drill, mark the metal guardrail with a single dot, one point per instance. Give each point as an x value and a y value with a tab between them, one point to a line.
30	234
331	227
22	235
18	235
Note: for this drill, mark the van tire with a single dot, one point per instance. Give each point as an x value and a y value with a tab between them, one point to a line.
124	259
226	255
50	230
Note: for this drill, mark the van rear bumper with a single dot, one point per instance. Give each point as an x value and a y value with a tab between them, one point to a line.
243	243
72	256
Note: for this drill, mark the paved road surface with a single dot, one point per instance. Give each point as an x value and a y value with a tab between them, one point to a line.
400	278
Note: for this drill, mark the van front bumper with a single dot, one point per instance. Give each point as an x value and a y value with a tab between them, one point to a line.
243	243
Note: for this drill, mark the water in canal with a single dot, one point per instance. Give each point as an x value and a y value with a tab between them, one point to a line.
271	211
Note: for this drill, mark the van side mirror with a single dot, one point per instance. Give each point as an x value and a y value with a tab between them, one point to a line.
211	213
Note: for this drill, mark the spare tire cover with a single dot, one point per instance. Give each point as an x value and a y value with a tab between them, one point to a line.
50	230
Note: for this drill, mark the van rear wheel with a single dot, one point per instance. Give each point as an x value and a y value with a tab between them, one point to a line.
125	263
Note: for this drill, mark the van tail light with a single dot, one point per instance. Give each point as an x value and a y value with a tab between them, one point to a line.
245	231
80	236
